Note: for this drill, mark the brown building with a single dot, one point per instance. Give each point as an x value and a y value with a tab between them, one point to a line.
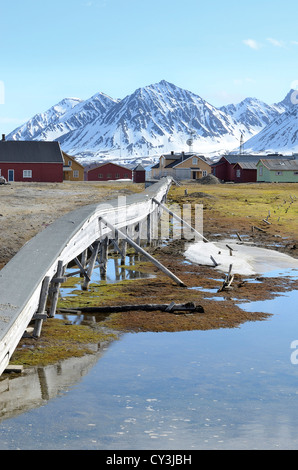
181	166
72	170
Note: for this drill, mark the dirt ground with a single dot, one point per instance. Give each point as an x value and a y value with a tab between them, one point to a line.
27	208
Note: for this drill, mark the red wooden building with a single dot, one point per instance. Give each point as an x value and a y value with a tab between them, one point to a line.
139	174
31	161
236	168
109	171
239	168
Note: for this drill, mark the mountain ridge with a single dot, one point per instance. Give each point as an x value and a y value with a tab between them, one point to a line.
153	119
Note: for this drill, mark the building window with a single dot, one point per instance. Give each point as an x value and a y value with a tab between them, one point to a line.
69	162
205	173
194	161
100	176
278	173
295	172
125	175
109	175
238	173
261	171
27	173
117	175
75	173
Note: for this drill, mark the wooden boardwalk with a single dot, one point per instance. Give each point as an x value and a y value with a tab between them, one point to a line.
33	276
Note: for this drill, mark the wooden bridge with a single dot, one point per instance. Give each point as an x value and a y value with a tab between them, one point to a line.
30	282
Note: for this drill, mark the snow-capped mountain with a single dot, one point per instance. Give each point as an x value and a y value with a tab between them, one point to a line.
281	135
253	114
155	119
63	119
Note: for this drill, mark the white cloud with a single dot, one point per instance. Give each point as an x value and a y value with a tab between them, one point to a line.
276	42
252	43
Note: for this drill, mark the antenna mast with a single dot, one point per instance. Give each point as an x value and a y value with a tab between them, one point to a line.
190	141
241	144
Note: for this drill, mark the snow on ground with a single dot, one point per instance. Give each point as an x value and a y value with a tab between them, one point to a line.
246	260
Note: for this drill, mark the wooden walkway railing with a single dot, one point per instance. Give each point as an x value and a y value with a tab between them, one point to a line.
33	276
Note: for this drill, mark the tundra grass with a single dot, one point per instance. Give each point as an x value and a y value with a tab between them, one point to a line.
254	202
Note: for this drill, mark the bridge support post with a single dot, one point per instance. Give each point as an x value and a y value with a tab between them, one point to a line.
91	265
40	313
104	245
55	287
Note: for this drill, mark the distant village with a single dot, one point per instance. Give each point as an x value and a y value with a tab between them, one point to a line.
43	161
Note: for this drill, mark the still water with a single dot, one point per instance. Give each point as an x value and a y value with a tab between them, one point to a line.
222	389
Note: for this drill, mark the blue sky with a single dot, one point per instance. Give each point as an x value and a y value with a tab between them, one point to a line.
223	51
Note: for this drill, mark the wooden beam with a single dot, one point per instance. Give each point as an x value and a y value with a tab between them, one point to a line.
143	252
41	307
82	269
91	265
56	289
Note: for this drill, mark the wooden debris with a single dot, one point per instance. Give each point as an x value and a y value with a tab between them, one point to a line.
213	261
228	281
14	368
258	228
189	307
231	250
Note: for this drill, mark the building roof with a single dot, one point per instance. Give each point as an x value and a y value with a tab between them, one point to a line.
100	165
247	165
65	155
139	168
19	151
183	158
245	158
280	164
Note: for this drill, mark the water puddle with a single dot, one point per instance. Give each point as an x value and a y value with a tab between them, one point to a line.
115	271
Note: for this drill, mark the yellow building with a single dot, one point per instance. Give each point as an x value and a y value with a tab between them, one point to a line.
72	170
181	166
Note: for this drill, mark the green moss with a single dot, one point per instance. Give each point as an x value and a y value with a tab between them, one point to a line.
59	340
